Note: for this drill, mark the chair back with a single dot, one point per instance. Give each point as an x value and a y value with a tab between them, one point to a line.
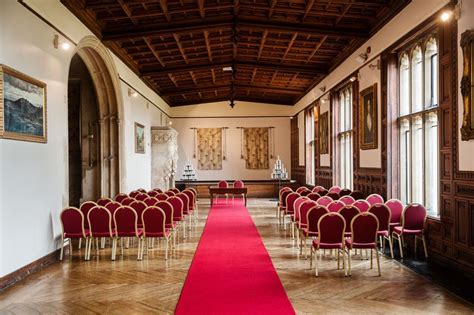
177	205
100	221
284	189
323	192
382	212
154	220
126	221
134	193
283	196
158	190
127	201
143	191
194	192
335	189
345	192
335	206
305	192
185	201
150	201
317	189
223	184
238	184
153	193
324	201
141	196
120	197
169	193
175	190
331	227
312	217
362	205
374	199
191	197
162	197
139	207
298	202
303	213
396	209
103	201
313	196
290	202
168	210
413	217
112	207
333	195
72	222
85	208
347	200
357	195
364	228
348	213
301	189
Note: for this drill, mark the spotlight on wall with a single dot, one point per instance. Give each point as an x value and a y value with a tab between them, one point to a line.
375	66
323	88
57	43
323	101
132	92
352	79
446	16
170	122
362	58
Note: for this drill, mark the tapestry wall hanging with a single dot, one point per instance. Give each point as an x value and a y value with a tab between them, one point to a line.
257	147
209	148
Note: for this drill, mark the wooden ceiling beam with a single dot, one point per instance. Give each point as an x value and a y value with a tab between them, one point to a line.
265	88
202	12
273	4
181	49
127	11
316	49
154	52
308	8
208	45
164	8
262	44
172	79
290	44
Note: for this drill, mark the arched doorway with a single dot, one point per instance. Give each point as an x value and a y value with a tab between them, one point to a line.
94	111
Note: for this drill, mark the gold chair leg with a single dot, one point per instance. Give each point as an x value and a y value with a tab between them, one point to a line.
378	263
62	248
424	245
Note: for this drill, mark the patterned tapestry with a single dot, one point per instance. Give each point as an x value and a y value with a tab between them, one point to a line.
209	148
256	148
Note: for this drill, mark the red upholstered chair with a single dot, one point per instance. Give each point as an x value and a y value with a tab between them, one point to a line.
153	193
317	189
150	201
143	191
382	212
347	200
175	190
154	226
100	225
374	199
103	201
85	207
186	208
324	201
120	197
335	189
139	207
222	184
295	217
178	215
284	192
396	209
362	205
158	190
127	201
126	225
364	229
357	195
161	197
333	195
413	224
141	196
311	229
192	203
345	192
134	193
290	206
323	192
331	227
72	224
238	184
335	206
348	213
303	213
112	207
305	192
169	223
301	189
313	196
169	193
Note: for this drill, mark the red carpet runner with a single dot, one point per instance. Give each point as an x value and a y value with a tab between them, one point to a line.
231	272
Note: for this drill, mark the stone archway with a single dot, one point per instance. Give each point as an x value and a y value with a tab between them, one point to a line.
109	101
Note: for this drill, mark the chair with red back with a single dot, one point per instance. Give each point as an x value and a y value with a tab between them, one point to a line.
120	197
150	201
178	215
112	207
238	184
141	196
85	207
345	192
323	192
126	225
364	229
154	226
317	189
72	223
357	195
301	189
311	229
333	195
335	189
362	205
175	190
324	201
295	217
284	192
303	214
134	193
169	223
348	213
192	203
127	201
153	193
382	212
169	193
347	200
374	199
290	206
313	196
331	227
305	192
186	210
158	190
100	225
396	209
335	206
222	184
413	224
139	207
162	197
143	191
103	201
196	208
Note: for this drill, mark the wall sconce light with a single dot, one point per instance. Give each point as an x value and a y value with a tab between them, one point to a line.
323	101
170	122
60	43
132	92
353	78
323	88
362	57
375	66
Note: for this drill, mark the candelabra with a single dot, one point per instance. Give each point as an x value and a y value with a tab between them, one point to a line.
279	172
189	174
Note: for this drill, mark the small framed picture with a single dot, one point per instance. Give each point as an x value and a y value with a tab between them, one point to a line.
368	118
139	138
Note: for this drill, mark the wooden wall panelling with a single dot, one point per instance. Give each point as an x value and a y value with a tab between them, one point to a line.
298	172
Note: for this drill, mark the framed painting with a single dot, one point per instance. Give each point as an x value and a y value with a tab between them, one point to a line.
467	85
368	136
323	133
139	138
22	106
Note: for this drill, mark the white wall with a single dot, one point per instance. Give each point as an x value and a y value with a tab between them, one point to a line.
466	148
233	167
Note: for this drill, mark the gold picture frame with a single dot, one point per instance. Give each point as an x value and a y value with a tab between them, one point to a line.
368	120
23	112
467	85
139	138
323	133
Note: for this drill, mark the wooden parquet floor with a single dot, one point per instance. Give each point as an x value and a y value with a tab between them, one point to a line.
153	286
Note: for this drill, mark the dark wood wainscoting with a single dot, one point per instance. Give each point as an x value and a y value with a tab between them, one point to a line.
298	173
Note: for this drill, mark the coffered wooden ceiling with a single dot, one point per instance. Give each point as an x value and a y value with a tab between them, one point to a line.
278	49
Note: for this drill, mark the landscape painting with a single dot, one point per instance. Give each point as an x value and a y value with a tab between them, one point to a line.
139	138
23	105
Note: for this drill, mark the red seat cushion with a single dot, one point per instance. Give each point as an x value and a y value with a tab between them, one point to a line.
170	225
158	234
350	244
398	230
178	218
317	244
76	235
302	225
382	233
131	234
308	233
105	234
288	212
